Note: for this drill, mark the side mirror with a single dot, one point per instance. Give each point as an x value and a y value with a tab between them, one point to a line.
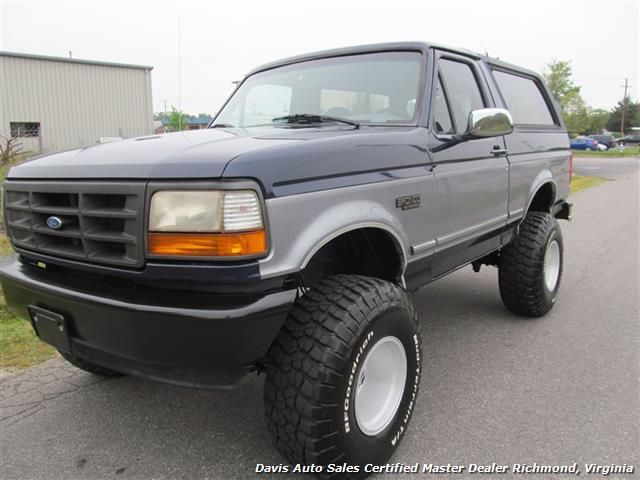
488	122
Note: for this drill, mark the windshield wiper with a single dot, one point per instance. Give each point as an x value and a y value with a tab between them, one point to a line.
311	118
222	125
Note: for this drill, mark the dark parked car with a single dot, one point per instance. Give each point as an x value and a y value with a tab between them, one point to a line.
607	140
584	143
285	239
634	138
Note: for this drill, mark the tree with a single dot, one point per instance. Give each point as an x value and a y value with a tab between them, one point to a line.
177	120
631	118
598	120
576	116
575	111
558	77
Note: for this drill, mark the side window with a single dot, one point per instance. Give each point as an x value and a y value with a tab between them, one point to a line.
524	99
442	115
462	90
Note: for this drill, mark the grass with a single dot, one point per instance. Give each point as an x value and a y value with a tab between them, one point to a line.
5	246
19	346
579	182
614	152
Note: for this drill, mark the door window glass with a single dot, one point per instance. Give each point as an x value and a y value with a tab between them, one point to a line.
442	116
462	90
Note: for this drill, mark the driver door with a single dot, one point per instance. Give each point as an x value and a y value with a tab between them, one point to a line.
471	177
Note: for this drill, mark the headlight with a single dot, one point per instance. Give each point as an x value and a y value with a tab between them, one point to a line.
210	223
186	212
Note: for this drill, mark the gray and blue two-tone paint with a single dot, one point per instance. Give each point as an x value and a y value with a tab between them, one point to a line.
320	182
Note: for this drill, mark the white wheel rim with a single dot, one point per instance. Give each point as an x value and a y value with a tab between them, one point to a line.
552	265
380	385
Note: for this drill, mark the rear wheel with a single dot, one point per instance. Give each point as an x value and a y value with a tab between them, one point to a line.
588	149
343	374
88	366
530	267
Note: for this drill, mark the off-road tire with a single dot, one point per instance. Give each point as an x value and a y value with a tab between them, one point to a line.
521	266
309	403
88	366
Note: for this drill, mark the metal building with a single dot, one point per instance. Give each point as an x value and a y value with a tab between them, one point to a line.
53	103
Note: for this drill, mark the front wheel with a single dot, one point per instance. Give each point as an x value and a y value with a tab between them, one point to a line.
530	267
588	149
343	375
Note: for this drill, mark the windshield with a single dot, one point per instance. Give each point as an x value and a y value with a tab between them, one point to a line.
378	88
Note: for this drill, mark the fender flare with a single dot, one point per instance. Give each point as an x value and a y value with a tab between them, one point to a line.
303	225
397	240
544	178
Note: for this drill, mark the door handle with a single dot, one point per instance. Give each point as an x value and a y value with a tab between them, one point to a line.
497	151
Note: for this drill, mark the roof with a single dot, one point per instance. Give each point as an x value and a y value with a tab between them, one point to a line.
337	52
358	49
385	47
73	60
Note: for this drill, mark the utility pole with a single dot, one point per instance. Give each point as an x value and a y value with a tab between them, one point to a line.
164	102
626	87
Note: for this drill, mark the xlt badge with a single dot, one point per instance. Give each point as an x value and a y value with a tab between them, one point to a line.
408	202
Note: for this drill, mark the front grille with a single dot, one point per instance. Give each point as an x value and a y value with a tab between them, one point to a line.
102	222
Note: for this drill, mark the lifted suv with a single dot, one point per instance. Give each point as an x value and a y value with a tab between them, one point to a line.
286	237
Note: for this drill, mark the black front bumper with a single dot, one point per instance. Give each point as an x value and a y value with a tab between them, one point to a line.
187	338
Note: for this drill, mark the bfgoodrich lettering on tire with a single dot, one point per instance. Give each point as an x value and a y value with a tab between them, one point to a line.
530	267
343	374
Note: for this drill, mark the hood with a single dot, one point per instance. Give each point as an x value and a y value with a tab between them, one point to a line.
283	160
190	154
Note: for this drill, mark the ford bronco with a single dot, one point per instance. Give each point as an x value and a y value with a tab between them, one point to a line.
287	237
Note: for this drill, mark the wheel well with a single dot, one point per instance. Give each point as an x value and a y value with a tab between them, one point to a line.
543	199
364	251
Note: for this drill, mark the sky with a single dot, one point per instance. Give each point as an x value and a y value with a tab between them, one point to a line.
198	48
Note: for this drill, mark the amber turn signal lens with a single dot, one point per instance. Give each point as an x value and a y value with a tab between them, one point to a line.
208	244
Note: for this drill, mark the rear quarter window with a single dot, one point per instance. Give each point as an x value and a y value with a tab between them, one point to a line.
524	98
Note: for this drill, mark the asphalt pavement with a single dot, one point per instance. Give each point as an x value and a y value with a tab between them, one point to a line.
607	167
495	388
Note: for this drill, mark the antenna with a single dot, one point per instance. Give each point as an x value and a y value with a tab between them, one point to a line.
484	47
179	81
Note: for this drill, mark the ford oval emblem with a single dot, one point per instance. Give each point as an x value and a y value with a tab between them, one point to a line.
54	222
